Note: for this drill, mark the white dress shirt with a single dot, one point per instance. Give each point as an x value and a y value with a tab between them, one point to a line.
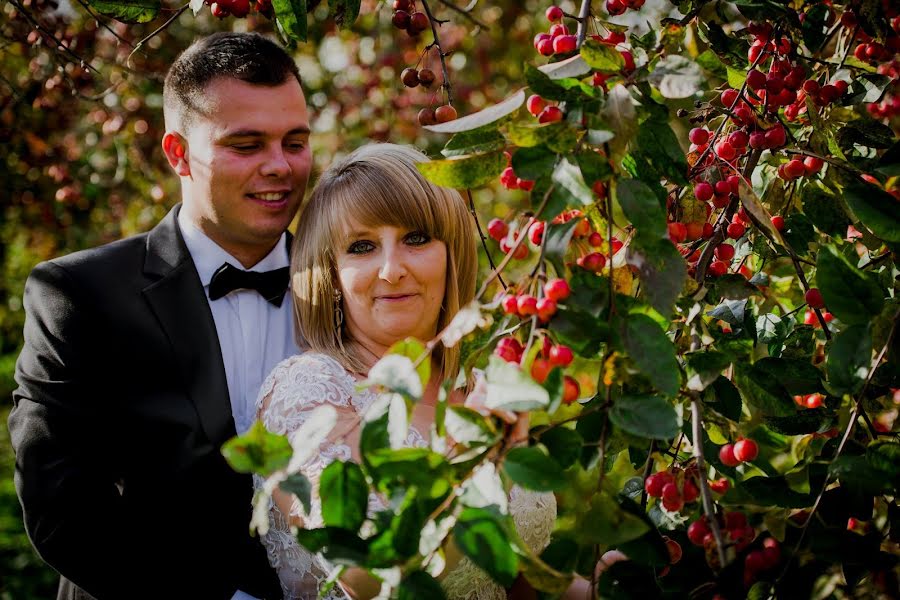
254	334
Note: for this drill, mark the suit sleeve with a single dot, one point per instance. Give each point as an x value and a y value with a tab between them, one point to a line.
61	436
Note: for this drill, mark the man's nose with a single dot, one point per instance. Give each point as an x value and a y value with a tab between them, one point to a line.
275	163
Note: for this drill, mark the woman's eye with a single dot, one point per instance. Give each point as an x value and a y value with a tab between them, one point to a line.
418	238
360	247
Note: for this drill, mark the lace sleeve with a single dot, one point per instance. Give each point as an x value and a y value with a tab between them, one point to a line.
288	396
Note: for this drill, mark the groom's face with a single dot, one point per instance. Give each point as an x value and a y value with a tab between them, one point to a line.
249	160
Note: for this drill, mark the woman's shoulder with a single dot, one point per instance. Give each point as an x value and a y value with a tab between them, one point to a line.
307	374
312	363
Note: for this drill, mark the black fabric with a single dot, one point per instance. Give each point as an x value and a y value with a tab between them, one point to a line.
117	425
271	285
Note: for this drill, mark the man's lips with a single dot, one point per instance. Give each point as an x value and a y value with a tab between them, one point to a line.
270	196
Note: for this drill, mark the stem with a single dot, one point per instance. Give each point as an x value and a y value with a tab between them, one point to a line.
648	468
583	14
465	12
441	53
709	508
168	22
481	234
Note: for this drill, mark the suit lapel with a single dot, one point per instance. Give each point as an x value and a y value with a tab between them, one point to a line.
178	301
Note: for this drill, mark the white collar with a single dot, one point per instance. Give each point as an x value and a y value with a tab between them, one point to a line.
208	256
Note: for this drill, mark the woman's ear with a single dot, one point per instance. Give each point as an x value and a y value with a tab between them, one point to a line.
175	148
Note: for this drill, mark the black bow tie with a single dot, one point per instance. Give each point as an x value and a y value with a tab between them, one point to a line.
271	285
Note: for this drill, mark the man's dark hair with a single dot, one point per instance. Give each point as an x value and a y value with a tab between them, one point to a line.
247	57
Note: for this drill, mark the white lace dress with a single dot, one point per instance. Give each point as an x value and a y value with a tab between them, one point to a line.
296	387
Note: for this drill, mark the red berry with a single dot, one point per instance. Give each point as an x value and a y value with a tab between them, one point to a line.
814	298
776	137
729	97
445	113
675	552
717	268
813	164
571	389
592	262
703	191
545	46
677	232
795	168
527	305
697	532
724	252
746	450
561	356
536	232
540	368
497	229
756	80
719	486
698	136
735	230
546	308
595	240
554	13
551	114
510	305
564	44
535	104
509	349
727	457
655	483
557	289
778	222
689	491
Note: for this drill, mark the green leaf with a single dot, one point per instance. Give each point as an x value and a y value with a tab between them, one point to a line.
727	399
642	208
795	375
344	12
568	176
594	166
301	487
602	57
581	331
468	427
606	522
803	422
620	115
773	491
128	11
866	88
824	210
710	62
734	286
480	537
475	141
660	146
564	445
662	270
704	368
291	18
653	352
884	455
556	244
730	311
799	232
533	163
878	210
528	135
736	78
339	545
545	87
344	494
762	393
889	163
815	26
730	49
533	470
508	388
858	473
483	117
420	584
571	67
865	133
650	417
257	451
677	77
849	359
852	295
405	467
465	171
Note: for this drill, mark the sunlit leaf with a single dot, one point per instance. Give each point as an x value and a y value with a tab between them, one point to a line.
481	118
533	469
645	416
128	11
461	172
480	537
345	495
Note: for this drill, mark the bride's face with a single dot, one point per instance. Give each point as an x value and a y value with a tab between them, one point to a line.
393	283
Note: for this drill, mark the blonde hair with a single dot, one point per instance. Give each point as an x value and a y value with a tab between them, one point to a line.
378	185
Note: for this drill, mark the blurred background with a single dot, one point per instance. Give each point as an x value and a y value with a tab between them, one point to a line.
81	123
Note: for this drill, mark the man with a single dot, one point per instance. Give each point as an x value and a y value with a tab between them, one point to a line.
144	356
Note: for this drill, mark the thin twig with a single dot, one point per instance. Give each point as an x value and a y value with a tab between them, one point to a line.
709	508
168	22
648	468
481	235
103	23
58	43
441	53
466	13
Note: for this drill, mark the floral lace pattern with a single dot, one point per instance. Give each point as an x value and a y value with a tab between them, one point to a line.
296	387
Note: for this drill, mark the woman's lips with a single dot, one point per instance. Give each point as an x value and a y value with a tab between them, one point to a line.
396	297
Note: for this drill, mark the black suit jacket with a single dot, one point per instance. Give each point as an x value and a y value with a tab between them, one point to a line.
117	424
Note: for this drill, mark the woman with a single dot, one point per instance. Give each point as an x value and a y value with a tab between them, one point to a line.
380	255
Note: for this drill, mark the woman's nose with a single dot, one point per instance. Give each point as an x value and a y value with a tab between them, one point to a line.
393	267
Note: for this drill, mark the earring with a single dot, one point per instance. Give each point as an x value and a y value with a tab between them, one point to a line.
338	312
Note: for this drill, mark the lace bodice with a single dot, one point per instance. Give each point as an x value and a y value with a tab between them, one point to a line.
294	389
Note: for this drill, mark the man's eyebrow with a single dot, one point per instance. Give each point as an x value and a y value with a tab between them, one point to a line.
250	133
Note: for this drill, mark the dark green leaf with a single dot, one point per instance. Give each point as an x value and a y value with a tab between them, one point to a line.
825	211
301	487
465	171
849	360
480	537
859	475
884	455
556	244
710	62
704	368
568	177
803	422
660	146
344	12
889	163
762	393
594	167
563	444
815	26
662	270
533	470
852	295
420	584
532	163
602	57
734	286
291	18
483	117
345	495
795	375
128	11
581	331
729	48
642	208
257	451
554	384
645	416
871	134
405	467
546	88
878	210
485	139
730	311
799	233
774	491
761	10
727	399
338	545
653	352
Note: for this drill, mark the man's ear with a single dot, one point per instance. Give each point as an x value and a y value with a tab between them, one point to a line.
175	148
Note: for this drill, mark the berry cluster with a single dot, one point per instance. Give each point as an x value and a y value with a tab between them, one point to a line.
551	356
889	106
407	18
557	40
743	450
618	7
240	8
809	400
527	305
675	487
545	113
510	181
